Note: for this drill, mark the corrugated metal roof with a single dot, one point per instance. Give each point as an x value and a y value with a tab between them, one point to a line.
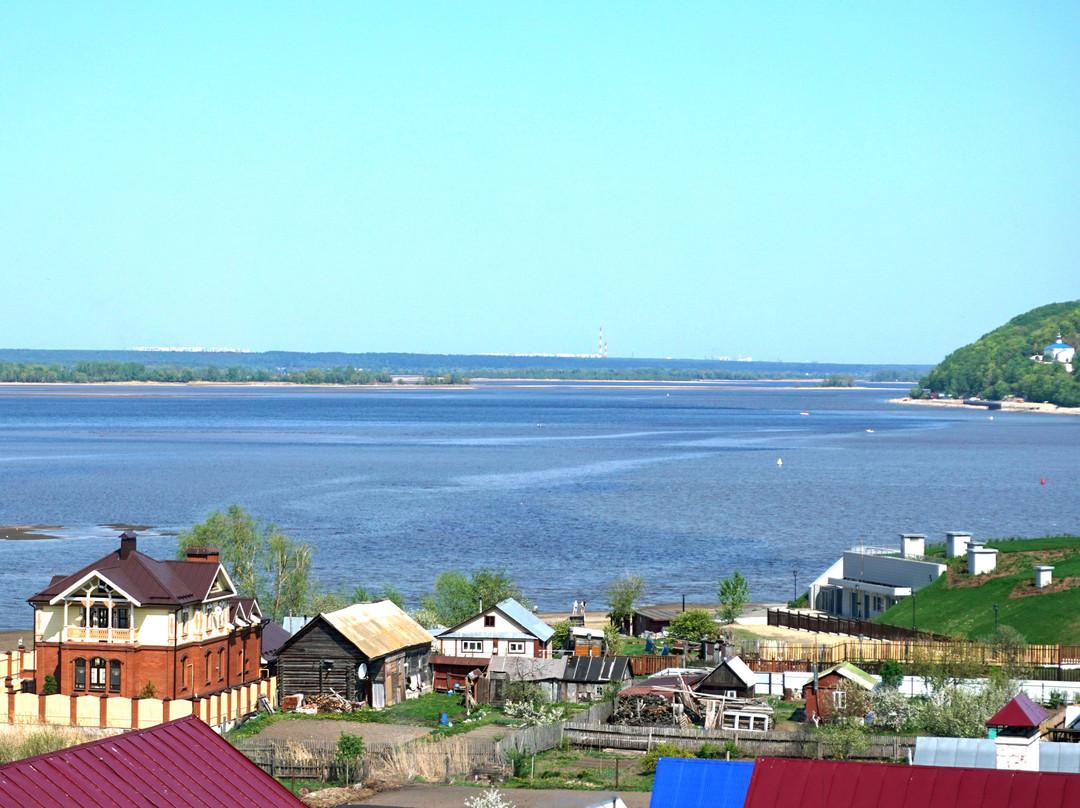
693	783
1059	757
595	670
850	672
181	764
786	782
526	619
1020	712
378	628
971	753
532	669
273	637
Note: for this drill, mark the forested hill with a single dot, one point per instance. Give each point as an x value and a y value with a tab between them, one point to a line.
999	364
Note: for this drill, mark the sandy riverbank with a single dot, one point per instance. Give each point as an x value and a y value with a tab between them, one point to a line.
1006	406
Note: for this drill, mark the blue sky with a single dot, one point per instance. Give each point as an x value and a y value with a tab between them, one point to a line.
860	182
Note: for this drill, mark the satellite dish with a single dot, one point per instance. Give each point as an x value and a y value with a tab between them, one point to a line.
361	671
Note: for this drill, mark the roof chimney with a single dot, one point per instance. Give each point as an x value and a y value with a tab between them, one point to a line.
210	555
912	545
127	543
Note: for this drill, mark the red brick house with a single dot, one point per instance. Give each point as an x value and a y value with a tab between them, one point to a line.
127	621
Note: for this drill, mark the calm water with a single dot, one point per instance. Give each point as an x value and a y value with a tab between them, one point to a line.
564	486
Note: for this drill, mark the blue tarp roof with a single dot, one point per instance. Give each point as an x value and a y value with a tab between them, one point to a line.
693	783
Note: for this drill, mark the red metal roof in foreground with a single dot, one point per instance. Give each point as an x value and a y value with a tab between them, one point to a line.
1020	712
789	783
181	764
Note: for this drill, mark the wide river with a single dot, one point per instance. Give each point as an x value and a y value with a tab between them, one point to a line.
564	485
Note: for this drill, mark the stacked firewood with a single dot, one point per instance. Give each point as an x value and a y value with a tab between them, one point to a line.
330	703
648	710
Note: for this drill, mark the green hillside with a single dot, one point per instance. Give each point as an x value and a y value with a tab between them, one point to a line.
961	605
999	364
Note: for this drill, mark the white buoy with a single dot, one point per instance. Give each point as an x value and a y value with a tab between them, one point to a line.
779	461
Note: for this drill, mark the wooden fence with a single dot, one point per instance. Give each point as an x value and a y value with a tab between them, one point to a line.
828	624
648	664
755	744
910	652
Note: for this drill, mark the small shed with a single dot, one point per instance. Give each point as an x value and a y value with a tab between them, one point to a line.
826	693
547	673
585	677
449	673
586	641
371	652
732	678
655	619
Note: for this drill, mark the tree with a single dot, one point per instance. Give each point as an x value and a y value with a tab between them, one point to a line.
622	593
612	639
264	562
693	624
561	638
734	594
456	596
891	674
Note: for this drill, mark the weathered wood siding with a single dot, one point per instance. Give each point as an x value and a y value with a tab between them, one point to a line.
721	680
300	662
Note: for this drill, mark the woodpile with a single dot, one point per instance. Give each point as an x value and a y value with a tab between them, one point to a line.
331	702
648	710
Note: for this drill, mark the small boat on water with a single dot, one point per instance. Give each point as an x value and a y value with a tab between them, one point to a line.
779	461
869	430
804	413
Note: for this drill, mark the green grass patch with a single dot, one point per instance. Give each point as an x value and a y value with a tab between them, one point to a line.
582	770
961	606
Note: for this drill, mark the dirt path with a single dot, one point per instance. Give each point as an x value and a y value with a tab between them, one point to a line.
329	730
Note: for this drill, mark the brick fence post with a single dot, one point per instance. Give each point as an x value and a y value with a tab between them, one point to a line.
103	712
135	713
165	705
74	711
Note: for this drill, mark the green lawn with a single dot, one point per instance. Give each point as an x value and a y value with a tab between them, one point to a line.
964	607
578	768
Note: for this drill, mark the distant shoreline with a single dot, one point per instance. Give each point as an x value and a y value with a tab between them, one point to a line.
1006	406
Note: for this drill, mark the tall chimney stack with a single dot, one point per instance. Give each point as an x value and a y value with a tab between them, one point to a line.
128	541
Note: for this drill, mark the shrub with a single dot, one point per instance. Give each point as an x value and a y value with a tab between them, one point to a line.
892	675
669	750
49	686
715	751
149	691
350	747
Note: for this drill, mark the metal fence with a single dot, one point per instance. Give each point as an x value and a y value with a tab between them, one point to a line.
828	624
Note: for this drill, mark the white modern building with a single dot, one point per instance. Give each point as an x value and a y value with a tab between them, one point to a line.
867	581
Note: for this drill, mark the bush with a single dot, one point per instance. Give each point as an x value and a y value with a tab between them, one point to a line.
715	751
669	750
525	693
350	747
149	691
892	675
49	687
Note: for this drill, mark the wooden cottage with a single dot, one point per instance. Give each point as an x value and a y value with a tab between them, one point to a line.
370	652
731	679
827	693
505	629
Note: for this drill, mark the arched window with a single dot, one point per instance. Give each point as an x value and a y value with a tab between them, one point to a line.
184	672
97	673
208	667
114	676
220	664
80	674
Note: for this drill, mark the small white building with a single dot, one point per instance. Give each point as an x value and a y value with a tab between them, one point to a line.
868	581
1059	351
505	629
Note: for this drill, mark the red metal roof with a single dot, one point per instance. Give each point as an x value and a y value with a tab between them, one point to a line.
181	764
1020	712
785	782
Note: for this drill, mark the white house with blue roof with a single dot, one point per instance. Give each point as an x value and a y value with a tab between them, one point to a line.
1059	352
505	629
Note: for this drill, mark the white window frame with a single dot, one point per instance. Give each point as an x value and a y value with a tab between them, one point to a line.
839	699
516	647
472	646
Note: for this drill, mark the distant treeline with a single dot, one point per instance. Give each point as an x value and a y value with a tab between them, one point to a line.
94	371
90	372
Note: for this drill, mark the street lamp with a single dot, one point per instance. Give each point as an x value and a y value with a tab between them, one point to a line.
858	603
995	618
795	575
913	610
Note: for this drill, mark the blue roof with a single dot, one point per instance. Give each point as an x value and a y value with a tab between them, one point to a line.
693	783
526	619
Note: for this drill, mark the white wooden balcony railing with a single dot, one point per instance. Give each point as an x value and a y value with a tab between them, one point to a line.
119	635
